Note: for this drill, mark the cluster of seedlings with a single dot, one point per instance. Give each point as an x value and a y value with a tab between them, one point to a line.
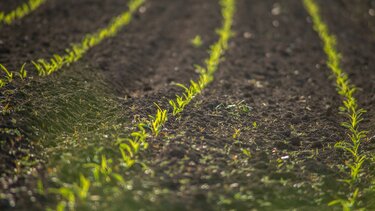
129	147
20	12
8	18
9	75
350	109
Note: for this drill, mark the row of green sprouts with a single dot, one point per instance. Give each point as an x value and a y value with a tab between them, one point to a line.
8	18
129	147
350	109
20	12
211	64
77	50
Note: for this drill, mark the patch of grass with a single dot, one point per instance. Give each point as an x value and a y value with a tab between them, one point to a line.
350	109
20	12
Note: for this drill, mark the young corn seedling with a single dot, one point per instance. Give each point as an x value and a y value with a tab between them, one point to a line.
83	188
9	75
2	83
127	155
22	73
350	109
101	170
197	41
157	121
69	197
140	135
182	101
347	204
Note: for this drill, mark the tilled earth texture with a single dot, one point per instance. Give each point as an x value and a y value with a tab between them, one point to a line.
260	136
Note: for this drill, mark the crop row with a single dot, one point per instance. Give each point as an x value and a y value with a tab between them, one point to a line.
130	147
20	12
349	109
77	50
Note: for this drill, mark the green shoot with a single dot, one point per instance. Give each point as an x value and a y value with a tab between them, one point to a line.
2	83
40	187
158	121
68	194
246	152
255	125
197	41
22	73
126	158
83	188
346	204
349	110
9	75
236	133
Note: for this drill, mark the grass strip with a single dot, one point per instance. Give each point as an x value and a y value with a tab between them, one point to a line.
349	109
77	50
20	12
104	172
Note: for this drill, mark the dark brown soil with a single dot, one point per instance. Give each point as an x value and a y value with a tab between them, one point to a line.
273	88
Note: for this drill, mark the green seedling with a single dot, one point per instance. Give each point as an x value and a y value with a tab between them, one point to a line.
9	75
101	170
2	83
181	101
69	197
40	187
22	73
127	159
197	41
157	121
83	188
246	152
349	110
346	204
236	133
